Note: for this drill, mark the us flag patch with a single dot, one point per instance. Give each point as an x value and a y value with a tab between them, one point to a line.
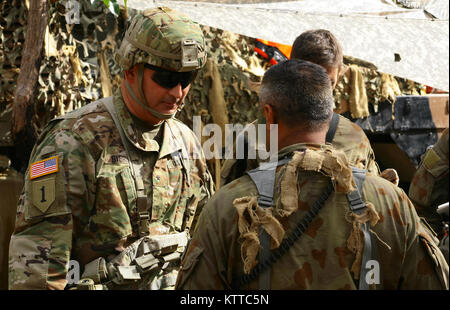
44	167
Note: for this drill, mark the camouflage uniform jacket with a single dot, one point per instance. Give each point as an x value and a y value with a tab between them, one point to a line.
324	256
429	186
349	138
91	210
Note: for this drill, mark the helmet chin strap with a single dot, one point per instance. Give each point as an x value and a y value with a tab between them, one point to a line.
146	107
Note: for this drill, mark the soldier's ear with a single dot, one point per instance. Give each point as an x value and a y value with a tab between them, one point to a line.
131	74
269	114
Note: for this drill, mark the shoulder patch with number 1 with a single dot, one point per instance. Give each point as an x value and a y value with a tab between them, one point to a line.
43	193
44	167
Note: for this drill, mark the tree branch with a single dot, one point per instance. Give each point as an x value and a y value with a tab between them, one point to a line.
23	132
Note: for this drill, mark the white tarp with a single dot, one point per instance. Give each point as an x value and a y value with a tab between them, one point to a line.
372	30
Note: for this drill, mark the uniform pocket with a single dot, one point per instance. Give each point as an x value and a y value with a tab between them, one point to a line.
114	198
167	190
167	172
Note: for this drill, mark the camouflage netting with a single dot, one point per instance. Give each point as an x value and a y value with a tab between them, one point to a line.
78	67
12	36
69	72
378	87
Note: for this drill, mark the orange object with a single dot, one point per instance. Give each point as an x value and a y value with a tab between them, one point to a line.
272	51
285	49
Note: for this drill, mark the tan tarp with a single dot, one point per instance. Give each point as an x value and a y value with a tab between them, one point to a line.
373	30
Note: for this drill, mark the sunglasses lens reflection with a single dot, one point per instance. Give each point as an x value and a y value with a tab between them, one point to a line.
170	79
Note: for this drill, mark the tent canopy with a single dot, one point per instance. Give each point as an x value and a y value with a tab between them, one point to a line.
409	43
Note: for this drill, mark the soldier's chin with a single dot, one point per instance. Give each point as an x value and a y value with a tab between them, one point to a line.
168	108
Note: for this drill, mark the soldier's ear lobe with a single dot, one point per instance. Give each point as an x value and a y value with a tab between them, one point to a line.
269	114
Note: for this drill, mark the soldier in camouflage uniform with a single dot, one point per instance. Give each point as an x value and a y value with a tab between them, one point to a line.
114	186
320	47
429	187
328	253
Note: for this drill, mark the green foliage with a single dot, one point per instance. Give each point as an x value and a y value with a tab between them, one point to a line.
112	5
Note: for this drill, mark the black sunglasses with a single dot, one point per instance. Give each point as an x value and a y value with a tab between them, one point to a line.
170	79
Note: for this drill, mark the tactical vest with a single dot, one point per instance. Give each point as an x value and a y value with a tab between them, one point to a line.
135	163
149	254
264	179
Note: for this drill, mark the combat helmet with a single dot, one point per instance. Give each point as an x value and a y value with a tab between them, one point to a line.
164	38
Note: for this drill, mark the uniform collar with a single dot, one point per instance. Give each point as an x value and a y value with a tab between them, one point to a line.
134	132
301	146
171	142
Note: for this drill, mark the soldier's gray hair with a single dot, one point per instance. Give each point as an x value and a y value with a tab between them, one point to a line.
300	93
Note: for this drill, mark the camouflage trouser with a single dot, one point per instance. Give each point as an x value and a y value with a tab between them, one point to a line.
150	263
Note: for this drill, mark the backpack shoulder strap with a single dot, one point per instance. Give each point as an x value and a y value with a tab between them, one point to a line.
358	206
264	179
333	127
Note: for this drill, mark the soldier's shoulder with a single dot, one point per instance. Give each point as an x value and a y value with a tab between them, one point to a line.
223	199
79	126
379	189
441	146
84	117
242	186
375	180
348	126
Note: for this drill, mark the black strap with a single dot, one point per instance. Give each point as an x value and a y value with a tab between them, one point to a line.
264	179
333	127
241	163
301	227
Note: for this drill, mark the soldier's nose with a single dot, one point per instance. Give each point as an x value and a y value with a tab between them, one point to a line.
176	91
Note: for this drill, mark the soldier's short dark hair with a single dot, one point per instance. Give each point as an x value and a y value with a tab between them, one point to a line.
319	46
300	93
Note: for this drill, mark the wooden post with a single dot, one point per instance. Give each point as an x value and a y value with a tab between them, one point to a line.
23	132
218	109
105	74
